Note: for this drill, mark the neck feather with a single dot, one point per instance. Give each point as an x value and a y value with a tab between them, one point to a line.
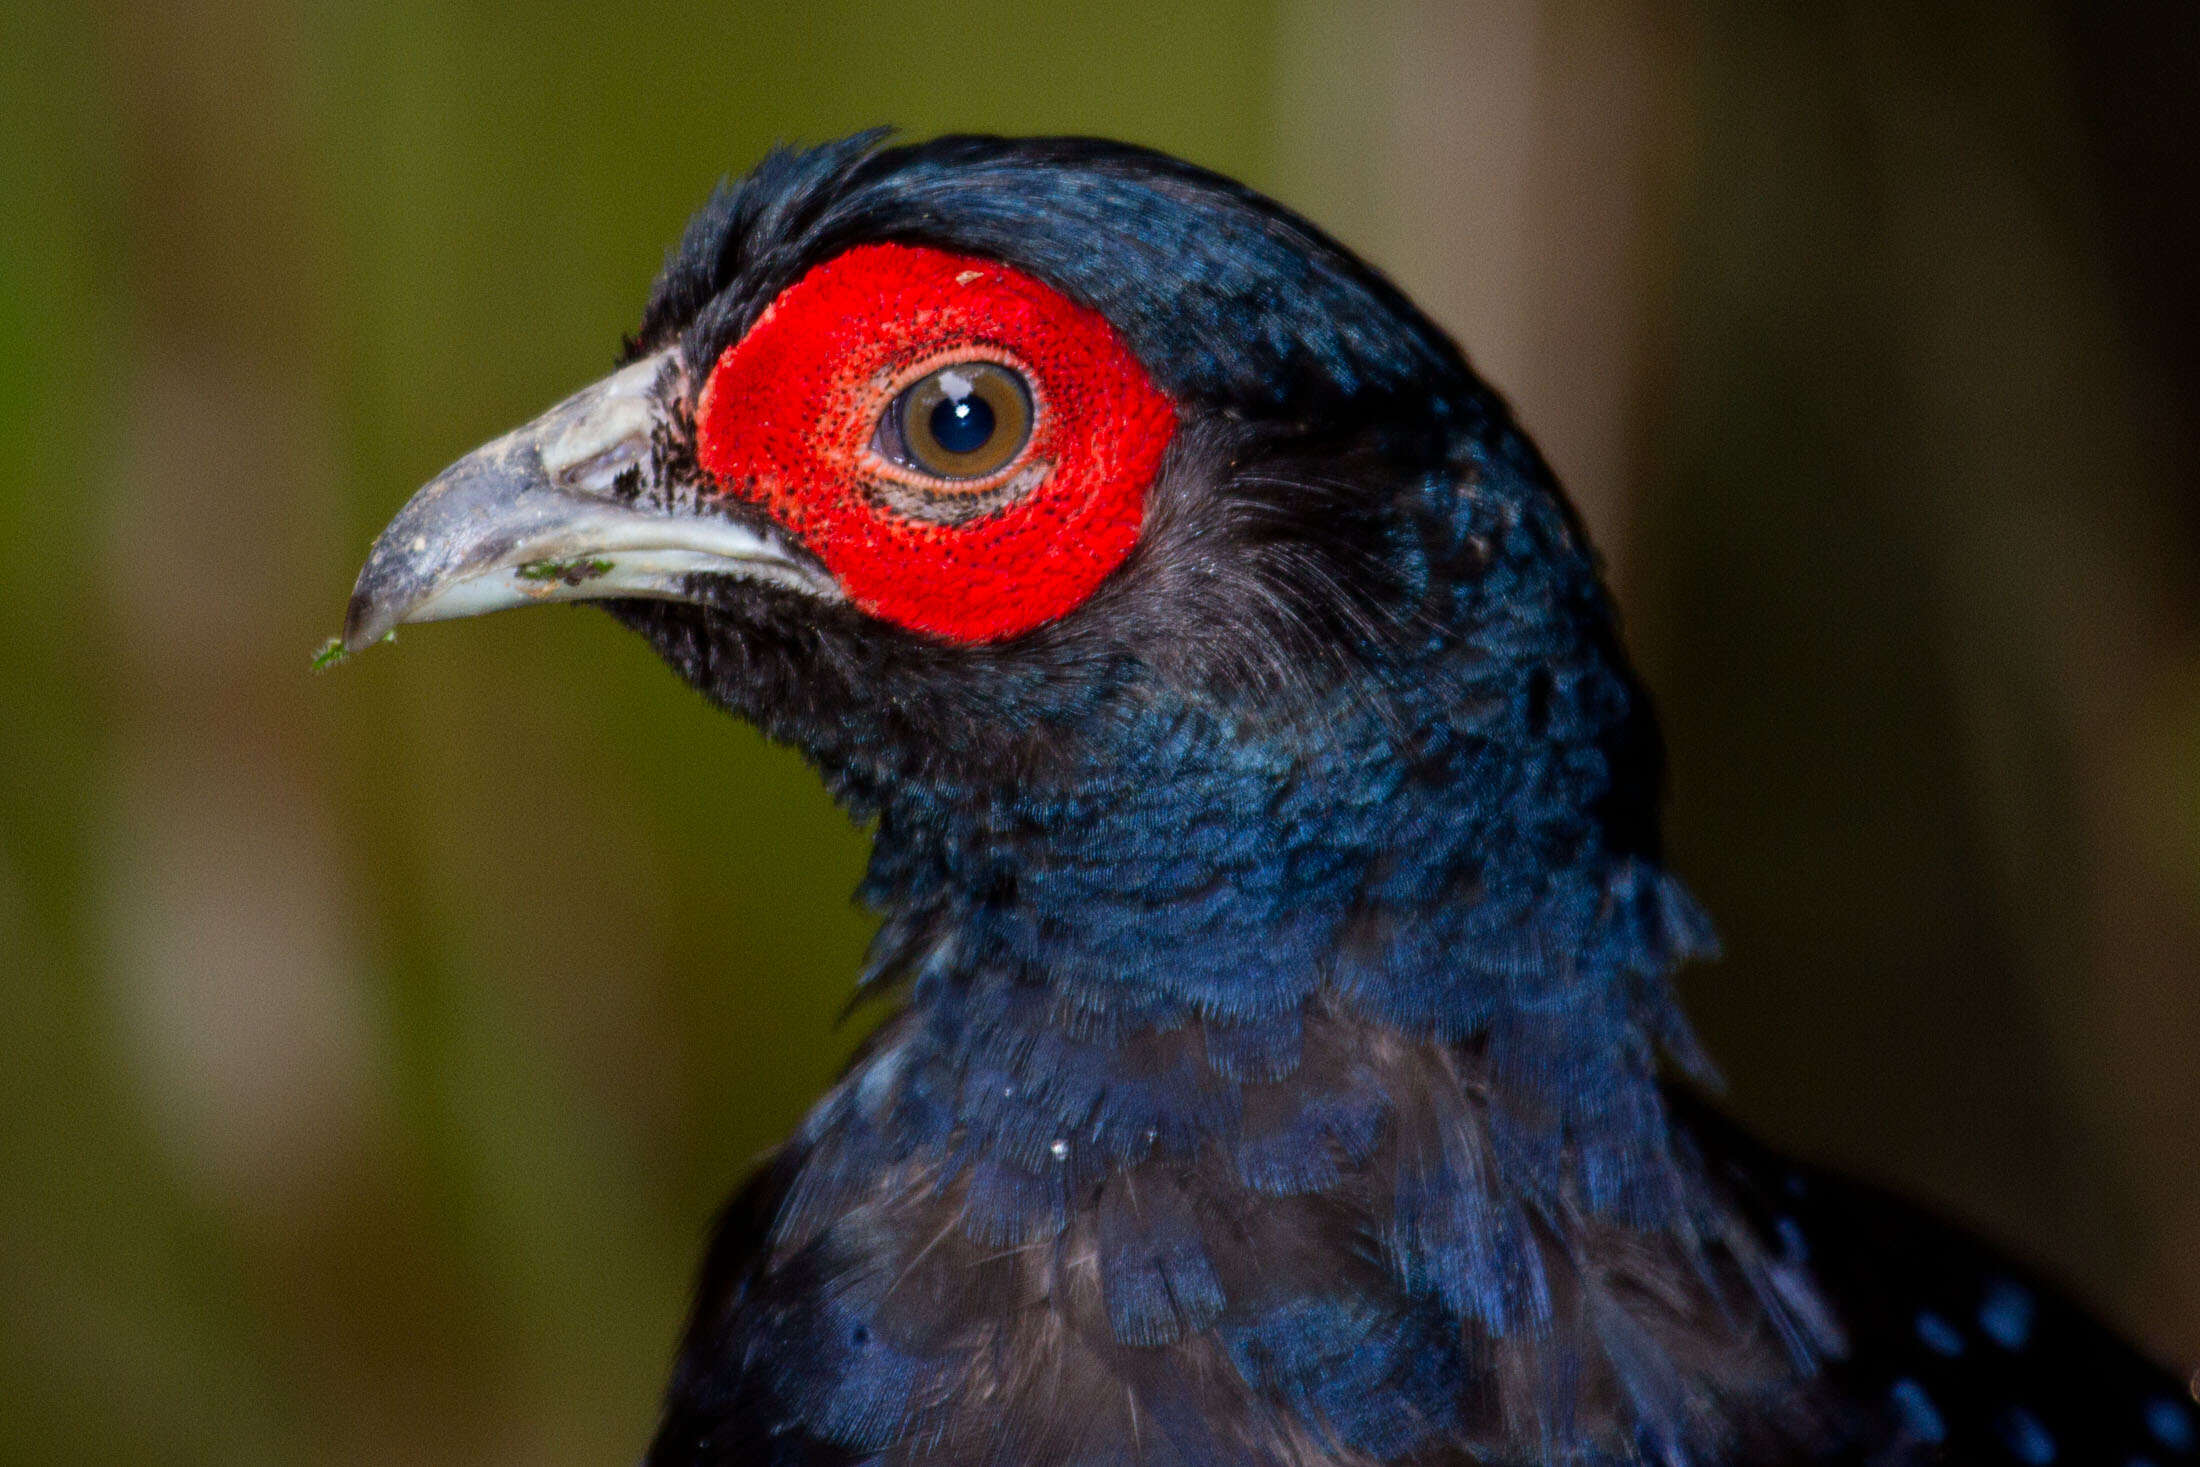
1132	962
1322	1083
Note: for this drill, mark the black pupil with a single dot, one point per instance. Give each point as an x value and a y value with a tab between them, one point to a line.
962	424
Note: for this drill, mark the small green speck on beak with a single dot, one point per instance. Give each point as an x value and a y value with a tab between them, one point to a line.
331	652
572	572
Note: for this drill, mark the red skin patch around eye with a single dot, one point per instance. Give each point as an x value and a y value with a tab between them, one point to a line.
789	414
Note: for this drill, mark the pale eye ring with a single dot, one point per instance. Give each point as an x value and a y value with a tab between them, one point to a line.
966	420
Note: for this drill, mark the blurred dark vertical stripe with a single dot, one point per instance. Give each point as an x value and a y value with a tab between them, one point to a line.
2135	74
1924	637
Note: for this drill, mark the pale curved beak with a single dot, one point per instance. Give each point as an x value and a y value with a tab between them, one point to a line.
578	505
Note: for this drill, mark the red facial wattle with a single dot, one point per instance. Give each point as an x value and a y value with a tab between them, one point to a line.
789	420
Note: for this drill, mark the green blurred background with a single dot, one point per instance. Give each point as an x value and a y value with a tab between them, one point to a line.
375	1046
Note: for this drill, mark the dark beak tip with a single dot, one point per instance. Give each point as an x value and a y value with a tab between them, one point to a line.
368	618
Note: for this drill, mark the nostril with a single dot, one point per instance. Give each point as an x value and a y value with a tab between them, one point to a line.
600	471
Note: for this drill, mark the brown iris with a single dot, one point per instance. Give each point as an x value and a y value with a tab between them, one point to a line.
964	421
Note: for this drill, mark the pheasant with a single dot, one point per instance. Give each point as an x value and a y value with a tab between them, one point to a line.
1284	1068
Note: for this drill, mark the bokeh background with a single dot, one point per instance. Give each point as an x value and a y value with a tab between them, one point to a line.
374	1046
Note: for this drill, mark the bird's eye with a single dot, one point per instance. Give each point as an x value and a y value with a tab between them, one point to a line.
964	448
963	421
